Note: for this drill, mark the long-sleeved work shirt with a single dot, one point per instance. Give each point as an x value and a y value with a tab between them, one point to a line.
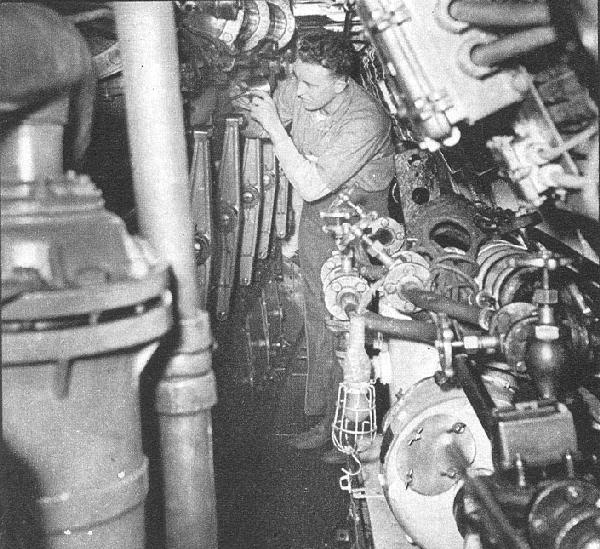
347	144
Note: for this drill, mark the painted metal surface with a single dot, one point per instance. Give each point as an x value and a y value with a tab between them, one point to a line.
201	181
186	390
91	303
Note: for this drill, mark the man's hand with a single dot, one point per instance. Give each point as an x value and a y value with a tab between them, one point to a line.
264	111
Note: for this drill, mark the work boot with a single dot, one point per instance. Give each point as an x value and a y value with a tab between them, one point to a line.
315	437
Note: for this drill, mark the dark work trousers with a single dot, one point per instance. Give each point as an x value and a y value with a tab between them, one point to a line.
314	248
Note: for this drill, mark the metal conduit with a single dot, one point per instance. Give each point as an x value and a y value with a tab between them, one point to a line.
513	45
501	15
187	391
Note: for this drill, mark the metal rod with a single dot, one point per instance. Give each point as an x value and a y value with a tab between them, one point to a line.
187	391
510	537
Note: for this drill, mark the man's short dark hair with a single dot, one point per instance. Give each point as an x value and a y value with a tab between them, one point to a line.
328	49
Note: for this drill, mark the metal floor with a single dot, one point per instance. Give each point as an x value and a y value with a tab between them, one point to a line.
269	495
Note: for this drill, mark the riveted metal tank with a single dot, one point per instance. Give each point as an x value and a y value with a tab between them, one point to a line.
84	305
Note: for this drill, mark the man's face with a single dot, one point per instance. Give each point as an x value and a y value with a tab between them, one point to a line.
317	85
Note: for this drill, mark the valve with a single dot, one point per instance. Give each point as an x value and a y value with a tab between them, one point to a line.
546	356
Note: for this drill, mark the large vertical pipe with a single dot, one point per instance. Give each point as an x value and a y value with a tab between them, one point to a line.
186	392
146	32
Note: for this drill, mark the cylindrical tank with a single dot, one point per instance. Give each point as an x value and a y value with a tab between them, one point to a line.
84	305
420	478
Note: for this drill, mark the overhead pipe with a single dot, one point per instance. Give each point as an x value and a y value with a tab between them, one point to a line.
487	55
186	391
501	15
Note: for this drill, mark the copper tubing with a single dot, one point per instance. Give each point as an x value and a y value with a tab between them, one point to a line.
500	15
486	55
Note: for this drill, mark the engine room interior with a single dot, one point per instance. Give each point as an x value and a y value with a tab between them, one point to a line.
300	274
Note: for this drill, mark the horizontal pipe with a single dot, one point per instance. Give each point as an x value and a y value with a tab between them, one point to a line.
500	15
486	55
439	304
413	330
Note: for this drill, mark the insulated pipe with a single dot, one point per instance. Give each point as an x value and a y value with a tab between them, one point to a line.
500	15
486	55
413	330
436	303
187	391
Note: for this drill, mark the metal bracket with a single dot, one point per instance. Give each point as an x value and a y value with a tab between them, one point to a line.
281	208
201	192
252	198
269	194
230	199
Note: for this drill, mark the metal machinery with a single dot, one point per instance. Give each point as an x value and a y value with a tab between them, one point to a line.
483	317
476	304
86	305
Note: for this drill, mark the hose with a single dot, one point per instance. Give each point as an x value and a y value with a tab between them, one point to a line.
439	304
486	55
500	15
413	330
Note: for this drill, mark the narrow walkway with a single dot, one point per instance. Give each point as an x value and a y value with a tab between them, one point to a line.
269	495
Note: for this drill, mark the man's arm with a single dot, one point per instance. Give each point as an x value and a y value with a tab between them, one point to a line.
360	140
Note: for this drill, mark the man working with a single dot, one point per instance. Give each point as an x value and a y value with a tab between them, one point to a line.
340	141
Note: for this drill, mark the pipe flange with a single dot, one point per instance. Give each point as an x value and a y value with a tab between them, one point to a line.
443	223
343	290
329	268
409	270
564	515
389	233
